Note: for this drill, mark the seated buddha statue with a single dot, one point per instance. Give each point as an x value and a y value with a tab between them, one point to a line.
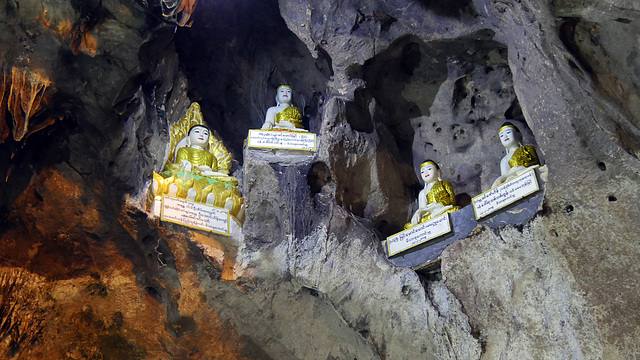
436	198
519	158
284	115
197	168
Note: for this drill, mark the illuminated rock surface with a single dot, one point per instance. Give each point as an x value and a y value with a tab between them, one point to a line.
86	274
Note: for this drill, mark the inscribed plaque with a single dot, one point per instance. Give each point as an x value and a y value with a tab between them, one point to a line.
195	215
282	140
418	234
505	194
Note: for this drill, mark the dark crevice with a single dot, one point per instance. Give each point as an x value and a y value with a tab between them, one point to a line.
450	8
602	166
514	112
319	175
567	36
357	112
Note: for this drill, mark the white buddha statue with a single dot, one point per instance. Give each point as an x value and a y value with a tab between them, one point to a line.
283	115
436	198
519	158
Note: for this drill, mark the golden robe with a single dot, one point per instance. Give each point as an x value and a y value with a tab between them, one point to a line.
197	158
441	192
524	156
291	114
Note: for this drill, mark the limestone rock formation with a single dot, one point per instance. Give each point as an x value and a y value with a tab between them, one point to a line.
86	273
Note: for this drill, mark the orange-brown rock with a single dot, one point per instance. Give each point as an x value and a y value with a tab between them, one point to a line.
24	304
74	286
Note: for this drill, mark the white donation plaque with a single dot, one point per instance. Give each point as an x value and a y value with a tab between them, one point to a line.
505	194
282	140
418	234
195	215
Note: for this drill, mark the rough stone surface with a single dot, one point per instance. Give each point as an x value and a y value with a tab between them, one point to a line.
525	302
381	308
310	280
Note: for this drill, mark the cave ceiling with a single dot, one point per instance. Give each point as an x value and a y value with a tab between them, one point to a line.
89	90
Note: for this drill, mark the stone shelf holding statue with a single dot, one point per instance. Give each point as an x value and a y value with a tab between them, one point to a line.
195	188
278	200
465	220
514	198
282	130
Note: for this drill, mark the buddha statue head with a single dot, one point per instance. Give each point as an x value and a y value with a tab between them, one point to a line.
430	172
283	95
198	137
510	136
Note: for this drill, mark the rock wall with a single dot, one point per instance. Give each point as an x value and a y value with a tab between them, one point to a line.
579	130
87	274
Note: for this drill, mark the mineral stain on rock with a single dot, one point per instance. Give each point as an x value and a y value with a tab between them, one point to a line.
86	274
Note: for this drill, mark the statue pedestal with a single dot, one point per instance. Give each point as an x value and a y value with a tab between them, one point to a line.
278	201
287	140
463	221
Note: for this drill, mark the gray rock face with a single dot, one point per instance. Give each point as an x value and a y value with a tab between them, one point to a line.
587	141
374	317
529	306
384	85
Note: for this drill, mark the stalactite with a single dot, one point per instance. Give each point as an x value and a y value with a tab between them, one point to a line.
4	126
26	96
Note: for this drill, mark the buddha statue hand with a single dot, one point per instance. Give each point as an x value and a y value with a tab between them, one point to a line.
415	219
186	165
499	181
284	124
212	173
512	173
434	209
204	169
267	126
440	210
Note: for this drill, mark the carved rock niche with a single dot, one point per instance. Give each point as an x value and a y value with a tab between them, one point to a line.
442	100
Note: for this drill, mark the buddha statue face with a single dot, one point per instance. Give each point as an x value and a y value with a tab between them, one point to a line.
508	136
198	136
429	172
283	95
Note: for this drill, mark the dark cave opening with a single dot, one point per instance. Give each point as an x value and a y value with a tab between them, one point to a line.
235	56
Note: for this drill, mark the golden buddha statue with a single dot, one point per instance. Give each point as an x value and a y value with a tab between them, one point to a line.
197	168
519	158
283	116
436	198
